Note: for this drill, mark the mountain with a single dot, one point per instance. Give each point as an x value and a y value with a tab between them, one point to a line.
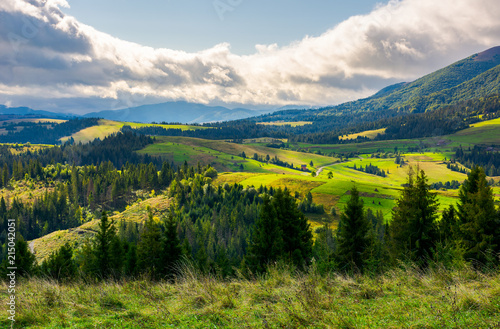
183	112
27	111
473	77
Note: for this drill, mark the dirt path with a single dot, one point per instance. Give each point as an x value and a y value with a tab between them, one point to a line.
320	169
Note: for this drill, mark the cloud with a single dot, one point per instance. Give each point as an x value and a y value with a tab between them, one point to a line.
49	56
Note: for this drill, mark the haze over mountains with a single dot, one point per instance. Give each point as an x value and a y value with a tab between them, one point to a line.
183	112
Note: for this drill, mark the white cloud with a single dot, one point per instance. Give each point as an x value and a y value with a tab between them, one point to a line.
48	55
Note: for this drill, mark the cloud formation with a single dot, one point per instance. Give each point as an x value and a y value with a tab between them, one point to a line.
47	55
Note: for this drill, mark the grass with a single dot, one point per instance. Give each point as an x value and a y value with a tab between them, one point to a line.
286	123
35	120
108	127
485	132
369	134
400	298
136	213
195	149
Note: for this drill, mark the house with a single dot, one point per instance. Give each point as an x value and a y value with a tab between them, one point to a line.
303	168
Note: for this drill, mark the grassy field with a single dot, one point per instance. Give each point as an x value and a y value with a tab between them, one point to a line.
108	127
285	123
403	298
35	120
193	149
486	132
369	134
378	193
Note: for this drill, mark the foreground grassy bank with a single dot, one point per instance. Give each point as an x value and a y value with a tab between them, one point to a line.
402	298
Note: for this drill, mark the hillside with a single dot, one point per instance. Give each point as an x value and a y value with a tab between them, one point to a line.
473	77
105	128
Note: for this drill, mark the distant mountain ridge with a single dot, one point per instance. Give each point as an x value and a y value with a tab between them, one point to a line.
28	111
181	111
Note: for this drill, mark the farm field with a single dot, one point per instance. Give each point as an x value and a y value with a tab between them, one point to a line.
485	132
378	193
182	145
369	134
38	120
108	127
285	123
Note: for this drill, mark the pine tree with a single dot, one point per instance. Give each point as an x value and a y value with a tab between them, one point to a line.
75	195
448	225
324	249
166	176
25	261
131	260
171	247
413	227
60	264
267	240
149	248
296	231
353	239
5	174
479	222
117	257
102	245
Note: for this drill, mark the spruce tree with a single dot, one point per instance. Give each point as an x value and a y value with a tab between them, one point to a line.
324	248
131	260
296	231
353	239
448	225
60	264
25	261
5	174
479	222
171	247
149	248
117	257
267	240
413	228
102	245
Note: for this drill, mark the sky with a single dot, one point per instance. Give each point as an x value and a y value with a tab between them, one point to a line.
195	25
79	56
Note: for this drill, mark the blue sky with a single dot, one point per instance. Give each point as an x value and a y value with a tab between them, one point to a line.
194	25
83	56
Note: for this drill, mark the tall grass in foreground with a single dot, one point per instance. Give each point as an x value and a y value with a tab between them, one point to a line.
282	298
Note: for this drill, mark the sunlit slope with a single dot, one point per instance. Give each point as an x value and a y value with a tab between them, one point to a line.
108	127
228	156
136	213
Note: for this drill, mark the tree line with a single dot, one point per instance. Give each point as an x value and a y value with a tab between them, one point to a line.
44	133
